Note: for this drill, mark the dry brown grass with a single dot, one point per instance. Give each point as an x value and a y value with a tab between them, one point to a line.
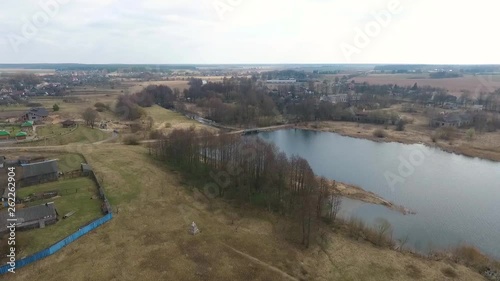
474	84
148	238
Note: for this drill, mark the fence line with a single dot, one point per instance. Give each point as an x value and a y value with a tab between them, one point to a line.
108	215
59	245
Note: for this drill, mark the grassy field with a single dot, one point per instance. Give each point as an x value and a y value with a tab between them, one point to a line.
69	161
56	135
76	196
148	238
474	84
52	130
166	119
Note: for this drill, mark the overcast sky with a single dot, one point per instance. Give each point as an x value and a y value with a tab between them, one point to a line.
249	31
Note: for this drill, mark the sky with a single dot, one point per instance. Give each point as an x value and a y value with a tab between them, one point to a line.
249	31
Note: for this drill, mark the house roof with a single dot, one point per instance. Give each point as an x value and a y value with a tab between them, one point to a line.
30	214
27	124
68	122
86	167
39	168
21	134
39	111
4	133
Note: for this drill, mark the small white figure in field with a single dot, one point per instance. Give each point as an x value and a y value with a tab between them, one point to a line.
194	229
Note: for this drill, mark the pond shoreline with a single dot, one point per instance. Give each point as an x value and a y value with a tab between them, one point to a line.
470	152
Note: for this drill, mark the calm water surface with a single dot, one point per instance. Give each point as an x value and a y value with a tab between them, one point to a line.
456	198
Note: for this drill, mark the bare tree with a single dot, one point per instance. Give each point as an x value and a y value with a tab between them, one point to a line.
403	241
90	116
334	205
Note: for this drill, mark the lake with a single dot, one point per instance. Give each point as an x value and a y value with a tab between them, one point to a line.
456	198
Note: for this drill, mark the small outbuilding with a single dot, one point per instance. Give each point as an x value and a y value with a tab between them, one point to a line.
21	136
4	135
86	169
32	217
68	123
28	125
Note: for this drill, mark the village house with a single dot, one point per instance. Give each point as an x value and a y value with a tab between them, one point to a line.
281	81
341	98
36	114
451	120
36	173
32	217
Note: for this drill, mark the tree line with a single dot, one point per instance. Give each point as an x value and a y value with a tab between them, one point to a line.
249	170
130	107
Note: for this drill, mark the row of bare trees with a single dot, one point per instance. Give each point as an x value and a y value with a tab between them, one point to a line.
251	171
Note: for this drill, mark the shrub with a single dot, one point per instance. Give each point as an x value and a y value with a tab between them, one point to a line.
155	135
131	140
55	107
447	133
357	229
471	134
100	105
434	137
135	127
379	133
471	257
400	126
449	272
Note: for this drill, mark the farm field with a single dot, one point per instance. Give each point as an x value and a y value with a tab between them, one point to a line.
474	84
134	87
79	194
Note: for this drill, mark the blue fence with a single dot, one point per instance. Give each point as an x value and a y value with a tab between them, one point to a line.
59	245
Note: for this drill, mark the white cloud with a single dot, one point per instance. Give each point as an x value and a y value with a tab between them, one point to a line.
250	31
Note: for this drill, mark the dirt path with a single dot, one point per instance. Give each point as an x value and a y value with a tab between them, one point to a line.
261	263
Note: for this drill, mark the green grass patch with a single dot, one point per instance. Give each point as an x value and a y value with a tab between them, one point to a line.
52	130
161	114
82	134
70	186
87	210
132	179
69	162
